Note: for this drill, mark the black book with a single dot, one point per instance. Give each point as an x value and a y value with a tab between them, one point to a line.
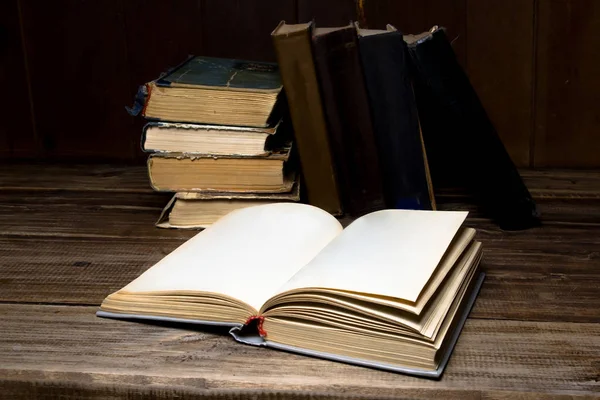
462	144
402	156
346	107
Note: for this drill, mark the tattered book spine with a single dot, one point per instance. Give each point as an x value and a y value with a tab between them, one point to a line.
403	159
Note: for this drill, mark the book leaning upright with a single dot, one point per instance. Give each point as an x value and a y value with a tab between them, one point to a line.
391	291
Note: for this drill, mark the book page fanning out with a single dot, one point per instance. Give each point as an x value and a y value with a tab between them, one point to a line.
387	253
246	255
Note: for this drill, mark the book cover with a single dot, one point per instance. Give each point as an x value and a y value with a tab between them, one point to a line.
462	144
348	118
295	57
402	156
224	74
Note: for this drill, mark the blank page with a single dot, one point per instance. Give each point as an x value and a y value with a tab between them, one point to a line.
390	253
246	255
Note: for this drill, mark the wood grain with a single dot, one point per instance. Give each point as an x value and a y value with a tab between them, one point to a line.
500	44
528	279
74	271
70	344
242	28
567	84
75	177
159	35
79	78
17	136
416	16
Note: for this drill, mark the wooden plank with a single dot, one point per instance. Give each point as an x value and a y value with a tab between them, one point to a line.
160	35
545	275
80	78
74	271
242	28
500	37
75	177
17	137
568	84
566	184
329	13
542	183
45	344
553	211
90	221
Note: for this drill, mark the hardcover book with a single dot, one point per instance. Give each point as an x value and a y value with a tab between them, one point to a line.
198	210
402	155
463	146
391	291
294	53
169	137
346	107
174	172
214	91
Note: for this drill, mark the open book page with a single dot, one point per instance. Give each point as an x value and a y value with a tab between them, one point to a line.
246	255
389	253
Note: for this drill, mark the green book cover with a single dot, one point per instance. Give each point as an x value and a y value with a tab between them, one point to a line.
225	74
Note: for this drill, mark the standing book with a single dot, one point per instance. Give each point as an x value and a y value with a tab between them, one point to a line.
463	145
346	106
294	53
386	64
391	291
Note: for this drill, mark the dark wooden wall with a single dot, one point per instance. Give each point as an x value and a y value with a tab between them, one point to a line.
68	67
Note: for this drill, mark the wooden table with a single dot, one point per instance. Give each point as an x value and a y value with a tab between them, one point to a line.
70	235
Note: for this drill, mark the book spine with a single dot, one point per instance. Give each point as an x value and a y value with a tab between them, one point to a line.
396	122
348	120
297	70
463	145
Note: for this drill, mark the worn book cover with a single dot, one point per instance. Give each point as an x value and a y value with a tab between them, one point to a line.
214	91
348	118
402	155
462	144
294	53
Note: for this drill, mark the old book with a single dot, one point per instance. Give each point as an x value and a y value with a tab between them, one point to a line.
294	54
173	172
346	107
390	291
462	144
169	137
198	210
215	91
402	155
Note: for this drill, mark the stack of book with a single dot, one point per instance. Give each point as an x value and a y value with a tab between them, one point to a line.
217	138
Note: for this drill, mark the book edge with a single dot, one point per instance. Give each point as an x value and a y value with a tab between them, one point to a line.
256	340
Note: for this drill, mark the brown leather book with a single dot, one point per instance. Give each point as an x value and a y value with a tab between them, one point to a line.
349	124
294	54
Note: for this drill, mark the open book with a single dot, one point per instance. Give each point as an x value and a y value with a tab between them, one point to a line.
390	291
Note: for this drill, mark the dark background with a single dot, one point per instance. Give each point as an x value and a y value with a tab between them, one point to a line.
68	67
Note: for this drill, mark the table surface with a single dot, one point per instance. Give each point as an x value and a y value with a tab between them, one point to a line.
72	234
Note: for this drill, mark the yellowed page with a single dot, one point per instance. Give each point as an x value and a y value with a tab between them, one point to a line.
246	255
389	252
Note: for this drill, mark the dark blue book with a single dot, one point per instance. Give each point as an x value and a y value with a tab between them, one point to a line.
402	157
